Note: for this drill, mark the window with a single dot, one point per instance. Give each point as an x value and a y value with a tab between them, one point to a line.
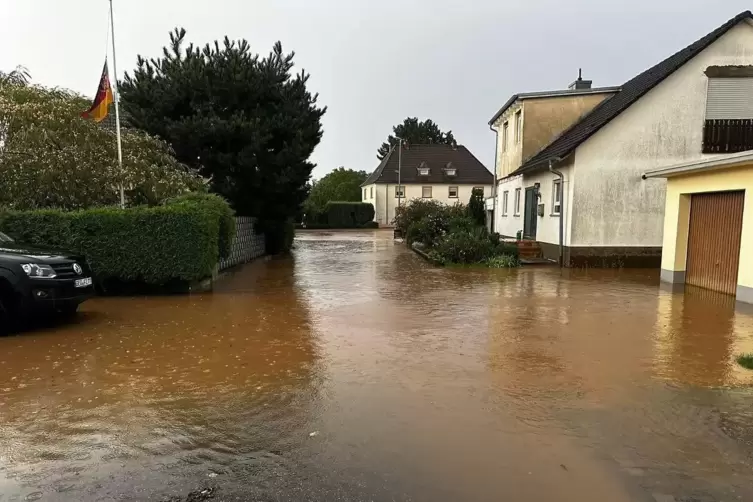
423	169
452	192
364	194
372	193
505	127
729	112
518	126
505	196
399	191
556	197
426	192
516	208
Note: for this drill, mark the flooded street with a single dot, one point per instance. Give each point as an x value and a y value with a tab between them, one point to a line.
355	371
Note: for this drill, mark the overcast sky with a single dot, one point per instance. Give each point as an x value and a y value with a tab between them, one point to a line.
374	63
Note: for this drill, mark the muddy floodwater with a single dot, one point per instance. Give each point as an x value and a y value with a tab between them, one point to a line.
354	371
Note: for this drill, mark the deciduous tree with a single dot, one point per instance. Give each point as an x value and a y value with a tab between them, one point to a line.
338	185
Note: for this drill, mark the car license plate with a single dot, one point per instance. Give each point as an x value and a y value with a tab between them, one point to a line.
82	283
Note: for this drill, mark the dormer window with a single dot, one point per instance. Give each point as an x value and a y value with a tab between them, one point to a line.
450	170
423	169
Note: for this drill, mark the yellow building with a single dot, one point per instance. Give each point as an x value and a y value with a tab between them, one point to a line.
708	224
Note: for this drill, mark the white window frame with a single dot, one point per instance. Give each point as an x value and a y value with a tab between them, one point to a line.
505	133
556	197
399	191
423	192
364	194
371	192
457	192
505	199
518	126
516	206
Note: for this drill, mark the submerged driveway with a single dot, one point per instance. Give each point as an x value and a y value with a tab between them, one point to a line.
355	371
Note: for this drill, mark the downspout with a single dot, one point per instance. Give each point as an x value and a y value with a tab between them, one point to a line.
562	208
494	187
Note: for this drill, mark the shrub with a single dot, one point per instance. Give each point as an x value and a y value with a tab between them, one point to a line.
370	224
507	250
502	261
221	210
153	245
348	214
745	360
278	235
476	206
414	211
465	247
462	223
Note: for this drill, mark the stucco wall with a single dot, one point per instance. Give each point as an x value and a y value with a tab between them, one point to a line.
547	118
509	158
547	229
385	201
676	221
613	206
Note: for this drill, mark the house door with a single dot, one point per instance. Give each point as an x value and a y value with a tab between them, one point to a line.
716	225
530	217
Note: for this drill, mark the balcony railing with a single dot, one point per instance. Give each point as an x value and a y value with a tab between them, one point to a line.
728	135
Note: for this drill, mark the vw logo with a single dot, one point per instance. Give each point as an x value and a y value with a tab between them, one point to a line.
77	268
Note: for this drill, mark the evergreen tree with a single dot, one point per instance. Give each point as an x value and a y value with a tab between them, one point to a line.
246	122
416	132
476	206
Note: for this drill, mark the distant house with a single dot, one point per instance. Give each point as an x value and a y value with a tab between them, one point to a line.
570	163
439	172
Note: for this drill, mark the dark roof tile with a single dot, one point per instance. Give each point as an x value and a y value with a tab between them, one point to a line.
468	168
631	92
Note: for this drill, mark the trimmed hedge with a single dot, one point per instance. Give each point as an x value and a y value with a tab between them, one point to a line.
151	245
348	214
222	211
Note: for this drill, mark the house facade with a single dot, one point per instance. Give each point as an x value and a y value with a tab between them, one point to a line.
444	173
590	175
708	224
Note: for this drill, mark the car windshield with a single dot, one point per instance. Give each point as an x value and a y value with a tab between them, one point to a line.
5	238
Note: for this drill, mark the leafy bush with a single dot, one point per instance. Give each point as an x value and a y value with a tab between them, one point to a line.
414	211
507	250
502	261
52	158
461	223
348	214
221	210
465	247
476	206
151	245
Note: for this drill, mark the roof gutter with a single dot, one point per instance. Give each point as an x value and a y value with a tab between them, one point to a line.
732	160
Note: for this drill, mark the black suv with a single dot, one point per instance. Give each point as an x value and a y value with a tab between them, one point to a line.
36	280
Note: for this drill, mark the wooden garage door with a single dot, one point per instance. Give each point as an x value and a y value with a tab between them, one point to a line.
716	223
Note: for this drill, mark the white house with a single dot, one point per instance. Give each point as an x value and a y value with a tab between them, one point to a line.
446	173
581	192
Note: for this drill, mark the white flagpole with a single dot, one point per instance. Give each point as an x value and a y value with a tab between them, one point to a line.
114	85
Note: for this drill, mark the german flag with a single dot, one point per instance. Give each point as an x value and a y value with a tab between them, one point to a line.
102	101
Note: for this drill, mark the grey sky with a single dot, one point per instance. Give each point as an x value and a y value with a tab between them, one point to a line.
374	63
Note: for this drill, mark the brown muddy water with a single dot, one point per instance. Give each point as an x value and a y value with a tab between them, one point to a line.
355	371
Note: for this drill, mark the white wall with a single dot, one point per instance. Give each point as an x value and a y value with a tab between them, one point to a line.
613	205
385	201
510	224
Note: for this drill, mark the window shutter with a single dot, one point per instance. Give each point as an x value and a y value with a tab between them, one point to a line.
729	98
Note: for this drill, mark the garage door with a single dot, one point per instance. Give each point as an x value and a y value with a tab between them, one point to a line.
716	223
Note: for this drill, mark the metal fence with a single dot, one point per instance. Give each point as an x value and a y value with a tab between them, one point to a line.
246	246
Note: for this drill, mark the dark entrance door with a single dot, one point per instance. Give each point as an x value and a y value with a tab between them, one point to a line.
530	216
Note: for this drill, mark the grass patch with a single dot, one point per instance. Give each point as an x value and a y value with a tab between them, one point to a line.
745	360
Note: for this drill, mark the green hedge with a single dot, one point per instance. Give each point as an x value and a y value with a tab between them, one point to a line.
221	210
151	245
348	214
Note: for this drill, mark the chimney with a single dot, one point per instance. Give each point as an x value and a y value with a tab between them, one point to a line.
580	83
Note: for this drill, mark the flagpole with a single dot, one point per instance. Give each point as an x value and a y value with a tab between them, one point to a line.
116	96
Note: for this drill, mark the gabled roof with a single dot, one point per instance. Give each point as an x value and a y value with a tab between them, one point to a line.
631	92
551	94
468	169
